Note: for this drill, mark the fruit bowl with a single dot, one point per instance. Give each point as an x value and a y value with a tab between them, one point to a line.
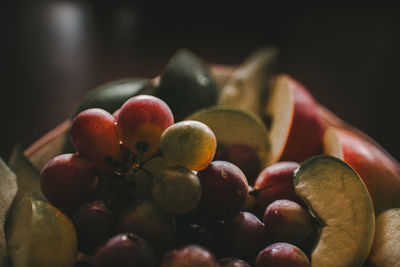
253	169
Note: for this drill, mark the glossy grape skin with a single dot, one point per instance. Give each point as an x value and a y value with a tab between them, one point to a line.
94	224
125	250
190	144
141	121
276	182
287	221
68	181
245	157
224	190
243	236
282	255
189	256
94	135
176	190
232	262
149	221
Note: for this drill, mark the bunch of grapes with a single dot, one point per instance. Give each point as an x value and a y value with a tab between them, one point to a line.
145	191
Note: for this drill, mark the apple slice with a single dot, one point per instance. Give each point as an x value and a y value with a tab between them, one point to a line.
386	249
296	126
8	190
246	88
38	234
339	200
28	177
379	171
232	125
50	145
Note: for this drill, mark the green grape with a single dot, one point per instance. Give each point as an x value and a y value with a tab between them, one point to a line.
190	144
176	190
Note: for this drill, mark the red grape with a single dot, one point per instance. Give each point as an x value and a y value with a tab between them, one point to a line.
141	121
282	255
94	135
68	181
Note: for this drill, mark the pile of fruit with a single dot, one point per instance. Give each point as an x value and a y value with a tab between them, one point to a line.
251	171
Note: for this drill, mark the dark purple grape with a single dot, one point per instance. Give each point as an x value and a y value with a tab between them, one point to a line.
147	220
94	224
232	262
282	255
243	236
245	157
224	190
125	250
189	256
287	221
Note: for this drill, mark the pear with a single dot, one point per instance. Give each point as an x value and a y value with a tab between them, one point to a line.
8	190
38	234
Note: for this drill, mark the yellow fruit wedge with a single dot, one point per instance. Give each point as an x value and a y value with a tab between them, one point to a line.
232	125
386	249
40	235
340	201
8	190
247	86
28	177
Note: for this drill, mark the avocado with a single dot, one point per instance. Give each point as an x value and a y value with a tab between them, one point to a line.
186	84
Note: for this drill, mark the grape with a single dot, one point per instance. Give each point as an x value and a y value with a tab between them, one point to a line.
189	256
232	262
143	178
147	220
243	236
190	144
276	182
224	189
287	221
125	250
282	255
176	190
245	157
94	135
94	224
68	181
141	121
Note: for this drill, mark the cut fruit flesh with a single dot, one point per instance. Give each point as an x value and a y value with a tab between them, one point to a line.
341	203
232	125
379	171
386	249
280	110
40	235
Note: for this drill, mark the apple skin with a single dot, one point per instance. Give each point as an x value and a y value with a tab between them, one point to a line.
276	182
305	138
141	120
379	171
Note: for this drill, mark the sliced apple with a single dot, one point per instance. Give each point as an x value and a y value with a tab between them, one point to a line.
8	190
28	177
232	125
340	201
295	123
386	249
379	171
38	234
247	87
50	145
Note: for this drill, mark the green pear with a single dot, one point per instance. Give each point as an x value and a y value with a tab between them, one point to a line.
39	235
8	190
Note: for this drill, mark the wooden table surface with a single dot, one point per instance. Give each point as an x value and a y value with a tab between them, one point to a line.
53	52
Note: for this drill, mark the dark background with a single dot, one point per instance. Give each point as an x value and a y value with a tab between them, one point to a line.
54	52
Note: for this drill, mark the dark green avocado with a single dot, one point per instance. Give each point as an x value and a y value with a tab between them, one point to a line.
186	84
